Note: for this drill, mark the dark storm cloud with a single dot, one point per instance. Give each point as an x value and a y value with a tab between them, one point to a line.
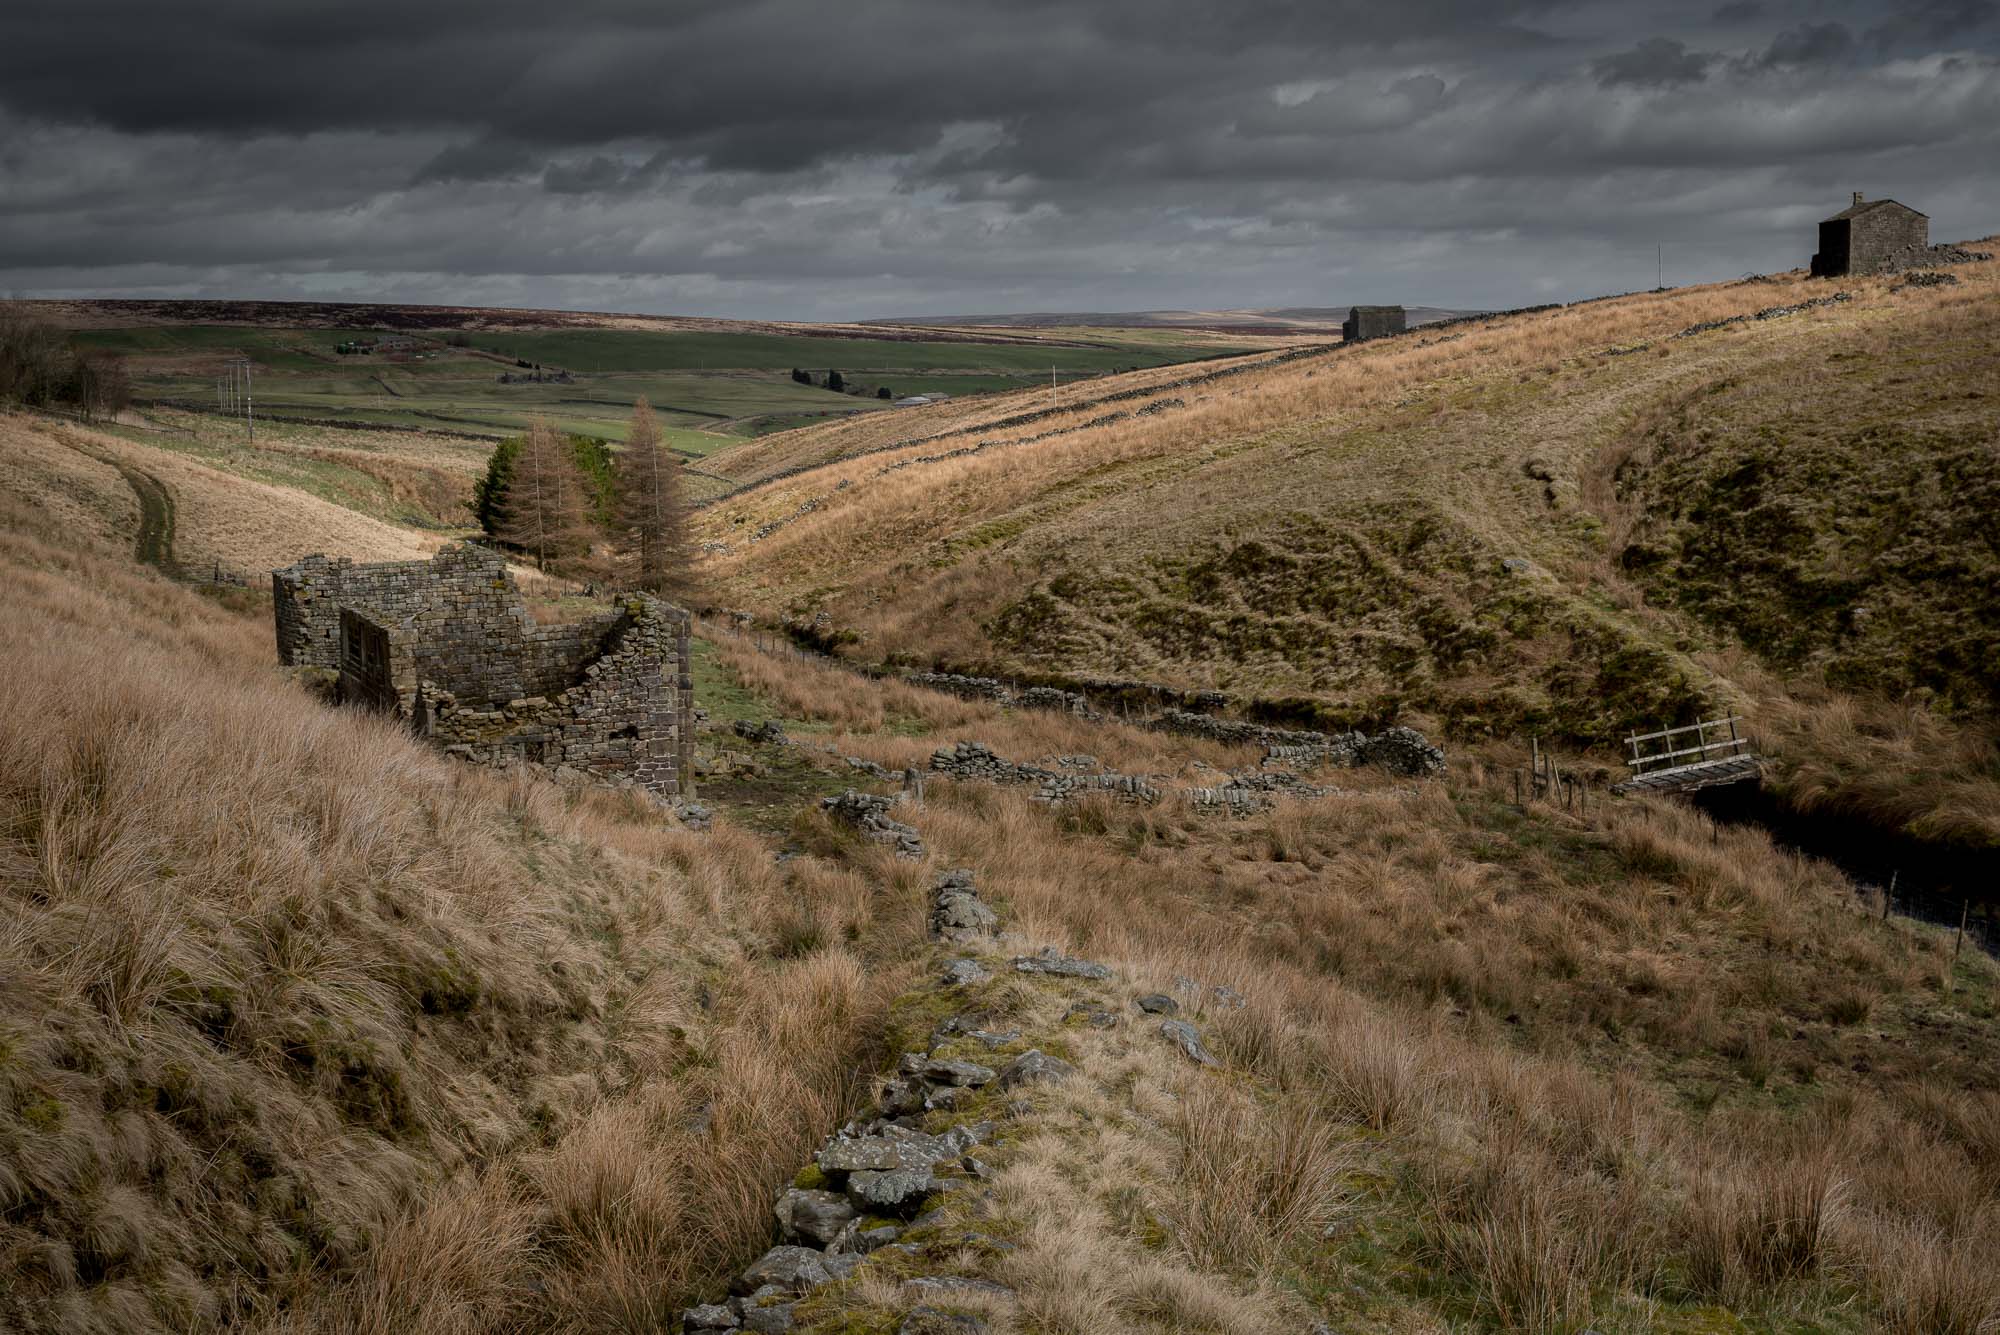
1810	44
1922	21
1657	62
779	157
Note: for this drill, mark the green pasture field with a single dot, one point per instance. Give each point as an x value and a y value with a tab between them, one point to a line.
707	388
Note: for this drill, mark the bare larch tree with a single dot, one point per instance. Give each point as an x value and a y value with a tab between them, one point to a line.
544	513
653	543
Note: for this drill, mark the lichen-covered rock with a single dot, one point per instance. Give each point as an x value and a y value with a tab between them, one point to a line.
773	1319
788	1267
951	1071
896	1191
769	732
944	1288
1403	751
957	914
1185	1037
964	973
814	1217
1053	962
709	1316
1033	1067
1095	1016
1159	1003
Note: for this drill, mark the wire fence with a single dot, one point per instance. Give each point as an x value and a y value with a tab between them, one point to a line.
215	574
1970	919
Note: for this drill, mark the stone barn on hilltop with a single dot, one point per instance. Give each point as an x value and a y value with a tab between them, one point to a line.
1366	322
1858	239
447	645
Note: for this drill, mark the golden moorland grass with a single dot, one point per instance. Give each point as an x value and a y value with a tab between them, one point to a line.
305	1028
309	1029
246	525
1526	524
1493	1065
303	1025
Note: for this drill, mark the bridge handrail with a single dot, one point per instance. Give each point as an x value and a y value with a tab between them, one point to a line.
1720	748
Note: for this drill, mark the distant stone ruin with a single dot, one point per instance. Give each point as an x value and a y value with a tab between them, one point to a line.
1366	322
1869	237
447	645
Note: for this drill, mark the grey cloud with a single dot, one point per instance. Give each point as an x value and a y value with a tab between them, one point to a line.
1933	21
482	159
1810	44
756	158
1657	62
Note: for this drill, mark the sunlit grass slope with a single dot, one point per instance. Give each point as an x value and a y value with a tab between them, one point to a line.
1552	522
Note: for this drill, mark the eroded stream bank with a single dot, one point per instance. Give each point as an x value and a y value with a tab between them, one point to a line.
1933	882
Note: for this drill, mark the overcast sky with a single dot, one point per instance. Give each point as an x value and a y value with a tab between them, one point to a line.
812	160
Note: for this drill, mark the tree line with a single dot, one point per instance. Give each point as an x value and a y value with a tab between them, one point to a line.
838	383
40	367
579	509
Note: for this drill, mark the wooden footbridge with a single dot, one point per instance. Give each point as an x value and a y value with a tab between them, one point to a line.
1680	760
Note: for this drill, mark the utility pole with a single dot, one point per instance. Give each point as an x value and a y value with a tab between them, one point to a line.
1659	267
1052	375
242	365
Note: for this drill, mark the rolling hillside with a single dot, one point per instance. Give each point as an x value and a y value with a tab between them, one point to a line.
1575	522
309	1030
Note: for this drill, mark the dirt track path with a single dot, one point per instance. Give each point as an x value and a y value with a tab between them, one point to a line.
154	545
154	542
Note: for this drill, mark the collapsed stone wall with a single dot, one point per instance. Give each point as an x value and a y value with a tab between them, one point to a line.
470	633
447	645
1398	749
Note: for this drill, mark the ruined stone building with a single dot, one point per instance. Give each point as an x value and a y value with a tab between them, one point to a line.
1862	238
1366	322
448	645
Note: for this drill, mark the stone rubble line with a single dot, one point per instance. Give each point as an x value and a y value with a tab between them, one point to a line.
1243	793
1399	750
1768	313
887	1168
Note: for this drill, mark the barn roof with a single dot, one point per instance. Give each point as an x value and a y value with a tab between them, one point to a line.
1869	206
